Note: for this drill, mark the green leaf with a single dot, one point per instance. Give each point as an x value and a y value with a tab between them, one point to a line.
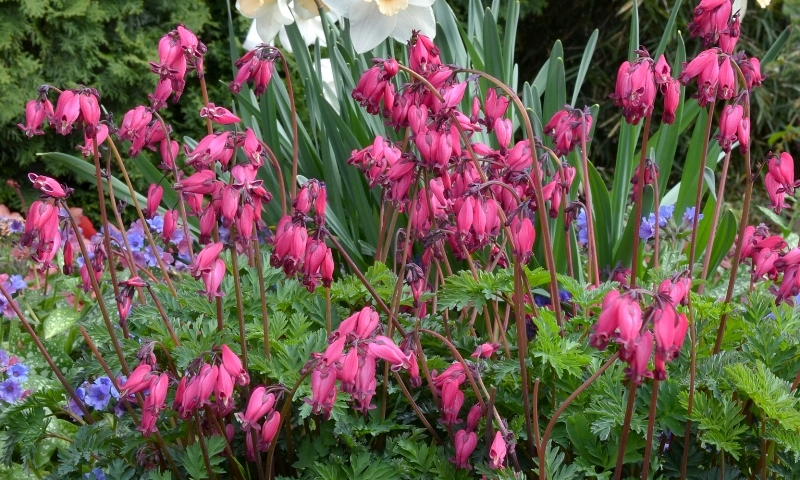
776	47
59	321
668	31
85	170
586	60
726	233
492	52
770	394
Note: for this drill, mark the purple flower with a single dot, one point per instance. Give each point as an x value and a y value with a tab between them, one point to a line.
583	229
16	283
107	382
18	372
688	216
96	474
72	406
156	224
136	239
647	228
665	213
10	391
97	396
3	357
16	226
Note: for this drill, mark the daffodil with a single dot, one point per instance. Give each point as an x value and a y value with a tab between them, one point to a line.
270	16
373	21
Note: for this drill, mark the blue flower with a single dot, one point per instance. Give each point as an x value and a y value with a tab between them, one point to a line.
688	216
73	407
224	234
96	474
583	229
665	213
564	295
97	396
16	283
18	372
647	227
136	239
10	391
156	224
107	382
3	357
16	226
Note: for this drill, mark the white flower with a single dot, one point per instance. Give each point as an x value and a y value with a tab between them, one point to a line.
372	21
270	16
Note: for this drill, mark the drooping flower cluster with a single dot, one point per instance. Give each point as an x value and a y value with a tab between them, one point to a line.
637	85
295	250
179	52
622	320
351	357
780	180
471	186
261	404
194	391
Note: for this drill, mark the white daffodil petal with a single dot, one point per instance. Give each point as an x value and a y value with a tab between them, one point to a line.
283	37
342	7
311	30
249	8
305	9
414	18
272	17
253	39
422	3
368	27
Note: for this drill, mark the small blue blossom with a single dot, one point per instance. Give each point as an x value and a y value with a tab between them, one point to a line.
3	358
224	234
73	407
16	283
583	229
665	213
10	391
136	239
107	382
647	227
688	216
16	226
541	300
95	474
156	224
18	372
97	396
564	295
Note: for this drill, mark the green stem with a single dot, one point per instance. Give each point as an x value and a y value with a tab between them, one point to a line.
295	138
638	201
566	403
263	294
714	221
239	303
